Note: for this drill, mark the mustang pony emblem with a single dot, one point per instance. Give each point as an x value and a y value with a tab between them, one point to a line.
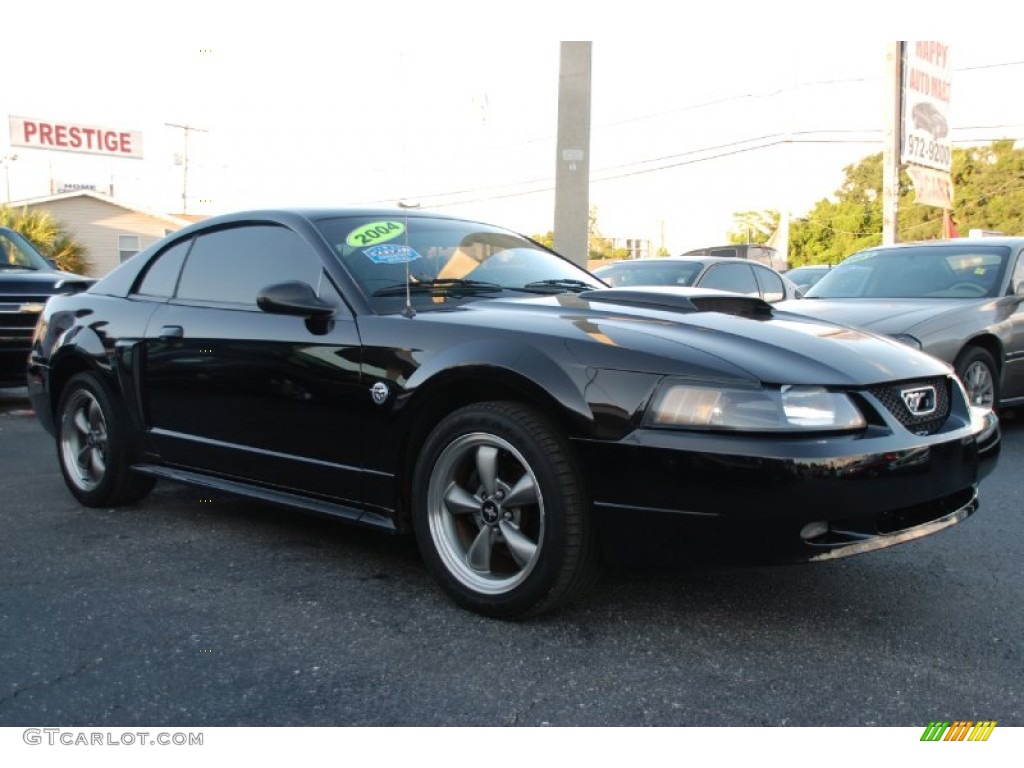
920	401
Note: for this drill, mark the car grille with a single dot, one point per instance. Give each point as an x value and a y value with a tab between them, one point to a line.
891	396
16	325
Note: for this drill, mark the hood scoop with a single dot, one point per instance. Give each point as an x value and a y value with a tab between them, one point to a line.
683	300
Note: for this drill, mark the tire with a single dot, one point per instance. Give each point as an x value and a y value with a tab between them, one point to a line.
500	512
977	370
92	446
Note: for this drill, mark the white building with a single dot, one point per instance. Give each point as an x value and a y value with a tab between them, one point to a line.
110	230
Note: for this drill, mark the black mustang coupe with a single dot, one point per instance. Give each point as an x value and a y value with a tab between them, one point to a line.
415	372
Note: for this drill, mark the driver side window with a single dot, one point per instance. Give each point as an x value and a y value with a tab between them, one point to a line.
233	265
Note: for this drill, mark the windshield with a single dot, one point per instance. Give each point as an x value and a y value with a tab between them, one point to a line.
446	261
918	272
653	273
17	253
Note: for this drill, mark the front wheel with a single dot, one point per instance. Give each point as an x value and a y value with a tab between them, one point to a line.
977	370
500	512
92	445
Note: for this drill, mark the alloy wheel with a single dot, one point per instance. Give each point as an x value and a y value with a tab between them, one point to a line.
486	513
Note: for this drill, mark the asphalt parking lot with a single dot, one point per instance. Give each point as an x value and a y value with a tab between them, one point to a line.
199	610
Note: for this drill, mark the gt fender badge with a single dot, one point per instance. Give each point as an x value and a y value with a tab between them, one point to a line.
379	392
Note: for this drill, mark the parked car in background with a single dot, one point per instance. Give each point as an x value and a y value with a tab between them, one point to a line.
720	272
762	254
959	300
27	280
418	373
806	276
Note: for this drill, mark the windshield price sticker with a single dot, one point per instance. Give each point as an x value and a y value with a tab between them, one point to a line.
391	254
374	232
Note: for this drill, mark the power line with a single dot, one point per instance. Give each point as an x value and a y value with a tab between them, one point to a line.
676	160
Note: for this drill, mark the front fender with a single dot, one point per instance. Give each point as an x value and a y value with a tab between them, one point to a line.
519	366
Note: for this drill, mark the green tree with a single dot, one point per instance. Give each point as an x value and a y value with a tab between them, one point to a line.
754	226
598	246
989	194
49	236
548	238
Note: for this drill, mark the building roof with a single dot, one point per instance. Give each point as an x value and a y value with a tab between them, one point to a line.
178	221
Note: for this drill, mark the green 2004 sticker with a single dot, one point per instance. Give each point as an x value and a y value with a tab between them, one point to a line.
374	232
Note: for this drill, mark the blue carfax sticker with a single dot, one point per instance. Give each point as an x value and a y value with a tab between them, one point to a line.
390	254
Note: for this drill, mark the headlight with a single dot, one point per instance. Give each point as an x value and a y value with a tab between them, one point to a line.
789	408
906	338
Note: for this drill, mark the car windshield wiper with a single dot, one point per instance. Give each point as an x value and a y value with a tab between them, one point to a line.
559	285
452	285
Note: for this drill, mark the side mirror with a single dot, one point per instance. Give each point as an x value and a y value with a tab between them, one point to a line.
72	285
293	298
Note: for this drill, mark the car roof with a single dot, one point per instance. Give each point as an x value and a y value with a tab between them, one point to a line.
311	214
1009	240
683	260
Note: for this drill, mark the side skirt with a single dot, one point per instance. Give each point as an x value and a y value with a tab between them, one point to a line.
283	498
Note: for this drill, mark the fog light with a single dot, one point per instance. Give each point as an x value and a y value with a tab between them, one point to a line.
813	530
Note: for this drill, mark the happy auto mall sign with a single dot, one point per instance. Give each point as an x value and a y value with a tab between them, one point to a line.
75	137
926	146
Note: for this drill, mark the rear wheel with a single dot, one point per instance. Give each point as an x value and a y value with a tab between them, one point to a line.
92	445
977	370
500	512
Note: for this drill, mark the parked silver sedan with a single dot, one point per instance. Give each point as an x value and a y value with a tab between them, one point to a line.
959	300
724	273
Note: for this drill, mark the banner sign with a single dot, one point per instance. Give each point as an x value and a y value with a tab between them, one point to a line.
75	137
926	90
931	187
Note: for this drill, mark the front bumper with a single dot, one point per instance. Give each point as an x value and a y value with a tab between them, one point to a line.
792	498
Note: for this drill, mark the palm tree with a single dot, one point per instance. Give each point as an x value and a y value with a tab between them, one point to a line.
49	236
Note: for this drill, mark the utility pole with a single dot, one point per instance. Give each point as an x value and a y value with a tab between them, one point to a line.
184	175
572	172
7	160
891	142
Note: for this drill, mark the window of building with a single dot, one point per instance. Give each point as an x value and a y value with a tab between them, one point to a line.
128	246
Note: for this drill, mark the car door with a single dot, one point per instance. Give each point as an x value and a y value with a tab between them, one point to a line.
1013	376
242	393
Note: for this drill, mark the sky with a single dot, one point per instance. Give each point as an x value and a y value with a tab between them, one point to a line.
453	105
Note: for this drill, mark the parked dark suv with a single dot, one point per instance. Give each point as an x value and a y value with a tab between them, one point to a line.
27	280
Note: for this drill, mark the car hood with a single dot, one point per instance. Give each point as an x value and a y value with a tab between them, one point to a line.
663	333
888	316
28	282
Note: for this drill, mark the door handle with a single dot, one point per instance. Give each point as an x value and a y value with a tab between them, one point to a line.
171	332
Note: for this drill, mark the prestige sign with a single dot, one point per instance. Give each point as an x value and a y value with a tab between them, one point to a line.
75	137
